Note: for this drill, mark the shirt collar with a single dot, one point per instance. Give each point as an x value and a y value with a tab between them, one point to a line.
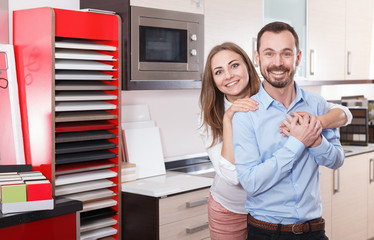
267	100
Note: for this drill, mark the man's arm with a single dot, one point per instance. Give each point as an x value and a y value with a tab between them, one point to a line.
257	172
326	149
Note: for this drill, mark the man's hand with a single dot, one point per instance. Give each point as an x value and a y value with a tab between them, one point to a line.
305	127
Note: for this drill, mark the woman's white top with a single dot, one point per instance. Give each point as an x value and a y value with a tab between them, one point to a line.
226	189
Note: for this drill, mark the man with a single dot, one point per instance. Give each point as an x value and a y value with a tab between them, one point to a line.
280	174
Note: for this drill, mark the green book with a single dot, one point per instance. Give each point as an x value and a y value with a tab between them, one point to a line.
13	193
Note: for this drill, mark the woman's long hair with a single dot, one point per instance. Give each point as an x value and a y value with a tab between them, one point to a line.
212	99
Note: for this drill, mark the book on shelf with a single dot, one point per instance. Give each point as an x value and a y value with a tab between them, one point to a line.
39	190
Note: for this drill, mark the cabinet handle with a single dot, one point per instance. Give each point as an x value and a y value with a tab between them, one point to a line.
254	46
196	203
337	189
349	63
311	62
197	228
371	166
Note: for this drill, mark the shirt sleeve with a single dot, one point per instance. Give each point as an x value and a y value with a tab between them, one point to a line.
223	167
345	109
257	173
329	153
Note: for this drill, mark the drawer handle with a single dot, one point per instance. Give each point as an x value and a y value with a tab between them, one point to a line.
311	62
372	170
196	203
337	183
197	228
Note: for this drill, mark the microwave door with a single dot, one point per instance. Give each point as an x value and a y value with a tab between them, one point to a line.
162	45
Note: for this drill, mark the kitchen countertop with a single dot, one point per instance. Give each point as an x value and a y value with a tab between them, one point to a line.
62	206
355	150
167	184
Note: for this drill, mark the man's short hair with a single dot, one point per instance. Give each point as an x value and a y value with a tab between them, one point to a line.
277	27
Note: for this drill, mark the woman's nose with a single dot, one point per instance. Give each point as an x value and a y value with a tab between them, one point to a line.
228	74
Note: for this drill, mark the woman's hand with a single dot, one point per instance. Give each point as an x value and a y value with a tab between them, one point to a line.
304	126
241	105
286	131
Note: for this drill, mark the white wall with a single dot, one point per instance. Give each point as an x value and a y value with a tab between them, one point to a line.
4	21
25	4
176	114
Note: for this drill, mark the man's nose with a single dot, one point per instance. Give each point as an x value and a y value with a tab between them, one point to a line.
278	60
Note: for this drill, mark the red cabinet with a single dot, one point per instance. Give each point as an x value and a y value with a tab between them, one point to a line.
68	66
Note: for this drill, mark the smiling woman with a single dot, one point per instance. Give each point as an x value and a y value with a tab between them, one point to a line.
229	80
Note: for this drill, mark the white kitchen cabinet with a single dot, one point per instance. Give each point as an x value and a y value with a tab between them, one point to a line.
326	41
359	24
370	200
191	6
235	21
339	37
179	216
325	179
349	199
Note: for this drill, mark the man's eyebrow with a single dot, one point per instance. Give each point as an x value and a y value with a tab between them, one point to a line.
284	49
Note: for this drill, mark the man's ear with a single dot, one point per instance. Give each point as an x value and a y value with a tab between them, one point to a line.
257	58
298	58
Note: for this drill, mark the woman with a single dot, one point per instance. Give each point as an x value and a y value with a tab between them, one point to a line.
229	80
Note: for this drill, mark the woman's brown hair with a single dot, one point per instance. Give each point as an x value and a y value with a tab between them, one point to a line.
212	99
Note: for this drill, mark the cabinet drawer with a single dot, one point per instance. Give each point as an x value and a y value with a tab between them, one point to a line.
183	206
189	228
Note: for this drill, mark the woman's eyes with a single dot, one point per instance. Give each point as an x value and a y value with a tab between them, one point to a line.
235	65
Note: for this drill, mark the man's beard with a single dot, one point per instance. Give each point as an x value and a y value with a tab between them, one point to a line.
276	83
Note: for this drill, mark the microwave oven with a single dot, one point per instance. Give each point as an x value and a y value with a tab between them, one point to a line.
167	49
161	49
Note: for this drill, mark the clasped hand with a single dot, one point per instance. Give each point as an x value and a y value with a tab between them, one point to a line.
303	126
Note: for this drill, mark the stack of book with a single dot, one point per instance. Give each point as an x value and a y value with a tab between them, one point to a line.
128	171
25	191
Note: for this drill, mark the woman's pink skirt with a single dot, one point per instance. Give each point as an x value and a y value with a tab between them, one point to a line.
225	225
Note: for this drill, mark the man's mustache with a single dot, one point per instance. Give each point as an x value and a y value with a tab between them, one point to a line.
280	68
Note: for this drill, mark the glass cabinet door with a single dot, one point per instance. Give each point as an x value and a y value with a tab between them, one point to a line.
293	12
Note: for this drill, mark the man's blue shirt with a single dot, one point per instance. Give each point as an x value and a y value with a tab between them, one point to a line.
279	174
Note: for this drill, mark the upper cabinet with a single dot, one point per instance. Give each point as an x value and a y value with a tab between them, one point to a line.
236	22
339	37
359	39
191	6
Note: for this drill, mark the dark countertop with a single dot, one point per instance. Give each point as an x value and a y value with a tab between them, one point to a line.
62	206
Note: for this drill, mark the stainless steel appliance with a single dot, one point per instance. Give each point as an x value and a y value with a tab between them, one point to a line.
167	49
162	49
200	166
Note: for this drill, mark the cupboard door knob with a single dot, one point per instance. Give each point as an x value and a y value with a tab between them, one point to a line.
371	166
349	63
311	62
337	188
254	47
196	203
197	228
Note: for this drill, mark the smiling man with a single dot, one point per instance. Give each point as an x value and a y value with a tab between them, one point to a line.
280	174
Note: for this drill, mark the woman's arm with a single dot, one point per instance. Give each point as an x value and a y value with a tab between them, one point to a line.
241	105
338	116
221	154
